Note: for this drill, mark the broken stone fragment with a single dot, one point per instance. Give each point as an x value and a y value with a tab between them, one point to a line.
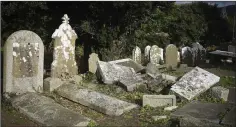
169	77
155	118
220	92
170	108
152	69
50	84
159	100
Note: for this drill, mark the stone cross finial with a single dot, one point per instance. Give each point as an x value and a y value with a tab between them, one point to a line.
65	18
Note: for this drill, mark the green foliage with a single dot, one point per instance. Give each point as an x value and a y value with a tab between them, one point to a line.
227	81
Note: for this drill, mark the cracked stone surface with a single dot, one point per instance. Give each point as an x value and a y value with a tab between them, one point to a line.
47	112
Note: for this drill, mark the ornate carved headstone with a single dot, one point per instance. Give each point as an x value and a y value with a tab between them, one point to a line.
64	64
23	63
146	53
137	55
171	56
93	58
155	57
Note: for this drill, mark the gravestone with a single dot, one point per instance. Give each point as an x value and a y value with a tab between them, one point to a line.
64	64
146	53
137	55
187	56
178	59
155	57
194	83
93	58
161	53
199	53
171	56
23	63
232	48
159	100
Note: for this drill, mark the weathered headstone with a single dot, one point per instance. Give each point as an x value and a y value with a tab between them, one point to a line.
64	64
199	53
220	92
171	56
155	56
187	56
161	52
92	61
159	100
95	100
194	83
147	53
178	59
137	55
231	48
47	112
23	63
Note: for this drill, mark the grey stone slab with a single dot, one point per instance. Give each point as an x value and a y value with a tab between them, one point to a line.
95	100
23	63
129	63
232	95
47	112
159	100
194	83
230	117
50	84
195	122
64	64
203	111
220	92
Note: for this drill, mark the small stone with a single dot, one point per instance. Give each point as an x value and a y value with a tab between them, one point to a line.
92	61
169	77
50	84
170	108
77	79
220	92
159	100
155	118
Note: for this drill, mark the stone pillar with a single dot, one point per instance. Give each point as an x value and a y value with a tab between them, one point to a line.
137	55
64	65
23	63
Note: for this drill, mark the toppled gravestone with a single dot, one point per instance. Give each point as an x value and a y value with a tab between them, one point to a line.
110	73
220	92
95	100
194	83
23	63
47	112
229	118
129	63
159	100
208	112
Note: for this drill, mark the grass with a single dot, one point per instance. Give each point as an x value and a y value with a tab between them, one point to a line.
227	82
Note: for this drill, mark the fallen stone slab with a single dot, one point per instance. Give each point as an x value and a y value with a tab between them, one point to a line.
170	108
159	100
232	95
129	63
47	112
155	118
220	92
194	83
95	100
202	111
195	122
230	118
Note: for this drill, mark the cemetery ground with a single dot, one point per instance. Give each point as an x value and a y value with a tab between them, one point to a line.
141	116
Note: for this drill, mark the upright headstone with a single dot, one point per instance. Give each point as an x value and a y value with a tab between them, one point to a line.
161	53
93	58
187	56
146	53
23	63
199	53
64	64
171	56
178	57
155	57
137	55
232	48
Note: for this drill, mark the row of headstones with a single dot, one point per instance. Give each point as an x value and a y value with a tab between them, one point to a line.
24	59
191	56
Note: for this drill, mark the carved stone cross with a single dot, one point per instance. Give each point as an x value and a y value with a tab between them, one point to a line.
65	18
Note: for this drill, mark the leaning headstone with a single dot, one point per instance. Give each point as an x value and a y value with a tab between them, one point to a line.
92	61
155	57
194	83
64	64
47	112
171	56
23	63
199	53
95	100
146	53
187	56
159	100
231	48
137	55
